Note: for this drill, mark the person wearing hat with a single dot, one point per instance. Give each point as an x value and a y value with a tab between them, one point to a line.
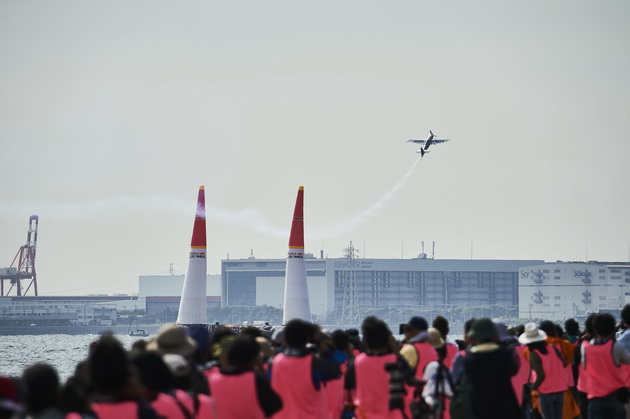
439	384
489	368
172	339
548	364
417	351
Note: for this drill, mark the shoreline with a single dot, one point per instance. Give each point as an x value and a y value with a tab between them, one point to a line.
71	330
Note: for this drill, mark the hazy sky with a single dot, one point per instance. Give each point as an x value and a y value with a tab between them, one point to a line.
113	113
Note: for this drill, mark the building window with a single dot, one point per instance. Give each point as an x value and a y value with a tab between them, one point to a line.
615	271
545	305
556	277
601	297
557	305
615	277
557	297
556	271
545	271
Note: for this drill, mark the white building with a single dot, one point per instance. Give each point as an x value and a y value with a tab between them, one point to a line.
171	285
561	290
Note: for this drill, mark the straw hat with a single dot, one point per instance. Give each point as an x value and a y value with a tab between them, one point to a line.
532	334
435	338
172	339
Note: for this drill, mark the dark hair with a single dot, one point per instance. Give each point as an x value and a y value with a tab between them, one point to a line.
243	350
558	329
252	331
340	340
589	324
604	325
572	327
548	327
441	324
625	315
540	346
41	383
468	325
154	373
108	365
297	333
375	333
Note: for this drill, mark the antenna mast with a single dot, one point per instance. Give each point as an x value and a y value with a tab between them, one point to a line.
350	307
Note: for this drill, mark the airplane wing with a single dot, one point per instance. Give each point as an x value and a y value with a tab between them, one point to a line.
417	141
442	140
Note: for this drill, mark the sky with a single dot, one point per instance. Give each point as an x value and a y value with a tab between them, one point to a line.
112	114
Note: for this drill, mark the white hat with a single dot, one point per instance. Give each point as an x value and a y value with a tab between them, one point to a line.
532	334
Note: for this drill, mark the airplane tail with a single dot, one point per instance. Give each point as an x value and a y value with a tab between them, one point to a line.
422	152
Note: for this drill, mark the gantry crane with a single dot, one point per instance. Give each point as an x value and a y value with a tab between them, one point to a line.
25	268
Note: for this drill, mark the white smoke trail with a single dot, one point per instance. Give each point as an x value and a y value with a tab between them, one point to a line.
348	225
250	218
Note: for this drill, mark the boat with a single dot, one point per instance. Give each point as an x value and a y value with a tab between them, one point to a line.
137	332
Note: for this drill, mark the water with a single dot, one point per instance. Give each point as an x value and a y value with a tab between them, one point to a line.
63	352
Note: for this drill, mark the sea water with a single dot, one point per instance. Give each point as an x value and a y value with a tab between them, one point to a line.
63	352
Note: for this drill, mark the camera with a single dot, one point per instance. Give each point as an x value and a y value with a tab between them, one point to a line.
396	386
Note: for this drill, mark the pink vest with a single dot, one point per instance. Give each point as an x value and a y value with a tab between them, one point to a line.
165	405
604	377
521	376
372	392
116	410
292	379
236	396
426	353
336	394
555	376
582	382
205	404
451	353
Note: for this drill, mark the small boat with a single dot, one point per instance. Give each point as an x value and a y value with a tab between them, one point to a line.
137	332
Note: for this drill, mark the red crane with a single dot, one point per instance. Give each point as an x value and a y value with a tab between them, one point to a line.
25	268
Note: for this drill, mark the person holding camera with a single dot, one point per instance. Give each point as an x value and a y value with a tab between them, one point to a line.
376	377
417	351
299	373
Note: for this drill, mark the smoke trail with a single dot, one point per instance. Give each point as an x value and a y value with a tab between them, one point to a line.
250	218
172	204
354	222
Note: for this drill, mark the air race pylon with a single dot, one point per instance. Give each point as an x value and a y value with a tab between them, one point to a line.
192	307
296	304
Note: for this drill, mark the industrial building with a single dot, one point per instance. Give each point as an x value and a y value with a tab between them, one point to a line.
561	290
424	282
162	293
68	310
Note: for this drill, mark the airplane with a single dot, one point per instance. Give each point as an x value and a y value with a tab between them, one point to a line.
431	139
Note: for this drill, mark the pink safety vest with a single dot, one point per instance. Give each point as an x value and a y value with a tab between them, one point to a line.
451	353
116	410
522	375
582	382
555	376
205	404
604	377
292	379
372	392
236	396
426	353
165	405
336	394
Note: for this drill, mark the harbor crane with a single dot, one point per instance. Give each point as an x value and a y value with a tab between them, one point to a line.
25	268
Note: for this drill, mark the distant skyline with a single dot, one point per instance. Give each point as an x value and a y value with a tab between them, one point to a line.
113	114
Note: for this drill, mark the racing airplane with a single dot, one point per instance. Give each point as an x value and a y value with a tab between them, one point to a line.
431	139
